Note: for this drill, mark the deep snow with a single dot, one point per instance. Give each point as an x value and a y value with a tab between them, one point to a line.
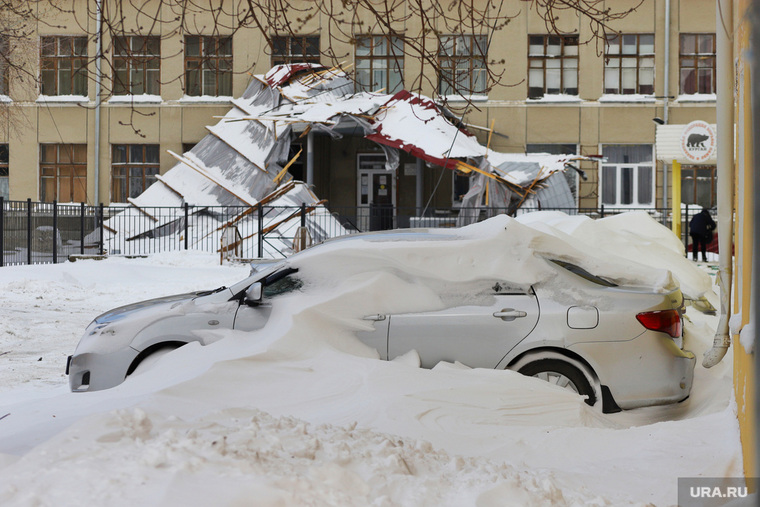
301	413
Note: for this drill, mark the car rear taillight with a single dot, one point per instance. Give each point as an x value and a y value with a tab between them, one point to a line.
666	321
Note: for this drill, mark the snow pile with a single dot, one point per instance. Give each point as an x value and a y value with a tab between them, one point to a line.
300	411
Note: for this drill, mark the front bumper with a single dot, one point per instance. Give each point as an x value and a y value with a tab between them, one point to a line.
92	371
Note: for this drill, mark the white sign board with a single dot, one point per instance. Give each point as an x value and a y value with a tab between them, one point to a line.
692	144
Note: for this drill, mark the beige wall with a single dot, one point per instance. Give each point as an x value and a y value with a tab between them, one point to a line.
587	122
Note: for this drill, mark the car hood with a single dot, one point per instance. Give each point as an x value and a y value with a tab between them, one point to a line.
123	311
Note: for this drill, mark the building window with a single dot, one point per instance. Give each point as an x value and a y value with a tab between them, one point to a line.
208	66
628	175
698	185
4	67
552	65
379	63
629	64
697	63
63	172
137	65
295	49
63	64
5	188
133	169
463	64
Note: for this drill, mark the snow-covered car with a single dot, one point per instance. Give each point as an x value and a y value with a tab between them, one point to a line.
618	345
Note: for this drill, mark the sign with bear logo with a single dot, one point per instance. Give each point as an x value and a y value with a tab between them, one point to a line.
698	142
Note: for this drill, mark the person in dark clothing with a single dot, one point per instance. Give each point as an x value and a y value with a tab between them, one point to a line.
701	230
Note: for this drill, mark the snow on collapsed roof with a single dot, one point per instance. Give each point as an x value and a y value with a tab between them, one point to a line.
240	162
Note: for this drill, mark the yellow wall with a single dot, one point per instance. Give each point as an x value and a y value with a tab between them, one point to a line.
744	381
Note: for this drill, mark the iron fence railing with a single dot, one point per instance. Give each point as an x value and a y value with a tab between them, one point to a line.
36	232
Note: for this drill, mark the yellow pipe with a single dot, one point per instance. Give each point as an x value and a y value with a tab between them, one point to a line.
676	199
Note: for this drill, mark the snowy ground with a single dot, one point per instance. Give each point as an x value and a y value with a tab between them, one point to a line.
291	415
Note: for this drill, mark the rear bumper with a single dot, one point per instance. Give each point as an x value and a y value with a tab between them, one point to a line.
649	370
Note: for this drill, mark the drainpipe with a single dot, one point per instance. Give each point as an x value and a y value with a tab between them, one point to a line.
725	117
666	83
310	159
418	187
98	83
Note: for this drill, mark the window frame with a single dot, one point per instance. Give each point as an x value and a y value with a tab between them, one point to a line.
563	58
55	63
208	63
390	62
691	172
136	60
5	52
5	170
636	166
121	184
698	60
288	42
451	63
622	57
75	165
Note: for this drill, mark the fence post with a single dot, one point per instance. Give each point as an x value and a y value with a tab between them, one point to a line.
2	231
601	209
100	210
686	230
29	231
187	219
55	232
303	214
261	231
81	228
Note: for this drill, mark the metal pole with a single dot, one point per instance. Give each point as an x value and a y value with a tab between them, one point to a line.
55	232
310	158
187	220
261	231
100	209
81	228
29	231
419	186
98	80
303	214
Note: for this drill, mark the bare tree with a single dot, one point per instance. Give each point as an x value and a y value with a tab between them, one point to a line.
418	29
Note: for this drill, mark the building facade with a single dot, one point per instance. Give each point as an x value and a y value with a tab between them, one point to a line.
561	94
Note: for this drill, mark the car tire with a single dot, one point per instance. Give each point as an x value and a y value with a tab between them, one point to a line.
561	373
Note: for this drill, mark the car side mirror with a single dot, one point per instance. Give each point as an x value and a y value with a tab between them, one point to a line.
254	293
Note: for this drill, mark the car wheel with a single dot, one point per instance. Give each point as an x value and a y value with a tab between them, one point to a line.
147	362
562	374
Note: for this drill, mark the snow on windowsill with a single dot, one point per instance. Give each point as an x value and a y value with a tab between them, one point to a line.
135	99
5	99
697	97
464	98
616	97
207	98
560	97
62	98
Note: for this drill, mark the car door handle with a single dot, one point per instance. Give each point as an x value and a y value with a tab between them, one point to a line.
510	314
374	317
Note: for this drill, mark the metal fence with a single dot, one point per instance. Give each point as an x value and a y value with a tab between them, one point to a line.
37	233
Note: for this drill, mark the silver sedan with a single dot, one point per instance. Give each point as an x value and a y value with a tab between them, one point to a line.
621	348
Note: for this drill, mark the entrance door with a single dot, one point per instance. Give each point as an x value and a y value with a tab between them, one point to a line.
376	193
